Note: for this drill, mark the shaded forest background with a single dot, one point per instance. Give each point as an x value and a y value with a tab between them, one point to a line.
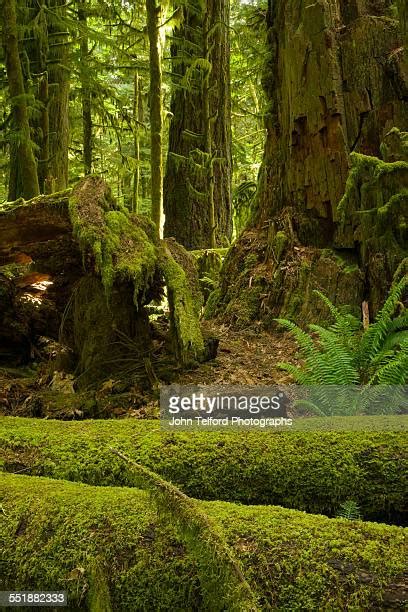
276	128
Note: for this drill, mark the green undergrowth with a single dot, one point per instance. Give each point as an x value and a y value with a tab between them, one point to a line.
315	471
184	309
110	550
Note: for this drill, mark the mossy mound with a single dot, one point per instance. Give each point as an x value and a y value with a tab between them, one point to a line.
315	471
107	545
103	265
123	249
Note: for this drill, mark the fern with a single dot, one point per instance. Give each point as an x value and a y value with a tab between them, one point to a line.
342	356
349	510
377	333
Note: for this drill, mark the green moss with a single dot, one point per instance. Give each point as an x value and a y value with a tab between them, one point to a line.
55	534
244	310
121	248
311	470
375	192
250	261
189	342
124	249
211	305
279	244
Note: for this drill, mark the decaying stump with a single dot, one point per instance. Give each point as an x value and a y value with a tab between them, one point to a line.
80	268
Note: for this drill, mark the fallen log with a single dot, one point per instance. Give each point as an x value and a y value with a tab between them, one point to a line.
315	471
110	545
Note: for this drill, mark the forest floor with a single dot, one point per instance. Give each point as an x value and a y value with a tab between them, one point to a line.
248	357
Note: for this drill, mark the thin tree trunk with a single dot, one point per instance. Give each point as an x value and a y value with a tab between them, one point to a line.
37	51
136	143
156	111
85	92
58	109
23	176
207	121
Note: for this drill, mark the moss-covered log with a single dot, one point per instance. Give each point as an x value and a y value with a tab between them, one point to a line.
102	265
107	544
310	470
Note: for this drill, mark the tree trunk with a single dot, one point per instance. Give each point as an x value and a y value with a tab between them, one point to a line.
23	172
198	201
336	84
85	91
58	70
137	119
156	111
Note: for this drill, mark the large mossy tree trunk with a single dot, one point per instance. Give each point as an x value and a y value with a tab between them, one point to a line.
337	84
197	200
23	180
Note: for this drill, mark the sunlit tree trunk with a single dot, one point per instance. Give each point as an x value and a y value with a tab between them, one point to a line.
58	70
23	168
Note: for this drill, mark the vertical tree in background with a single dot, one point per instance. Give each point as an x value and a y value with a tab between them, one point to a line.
197	201
86	94
59	73
137	120
154	15
23	180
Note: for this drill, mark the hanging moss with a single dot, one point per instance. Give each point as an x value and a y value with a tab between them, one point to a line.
120	246
375	207
184	310
371	184
125	250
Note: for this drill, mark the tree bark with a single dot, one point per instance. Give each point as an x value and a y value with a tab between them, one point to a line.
86	98
23	173
156	111
200	109
137	118
336	85
59	74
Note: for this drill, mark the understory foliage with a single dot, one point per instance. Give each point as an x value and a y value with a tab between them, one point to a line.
349	510
342	354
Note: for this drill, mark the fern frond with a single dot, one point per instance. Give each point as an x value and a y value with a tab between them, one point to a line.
303	339
349	510
375	335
